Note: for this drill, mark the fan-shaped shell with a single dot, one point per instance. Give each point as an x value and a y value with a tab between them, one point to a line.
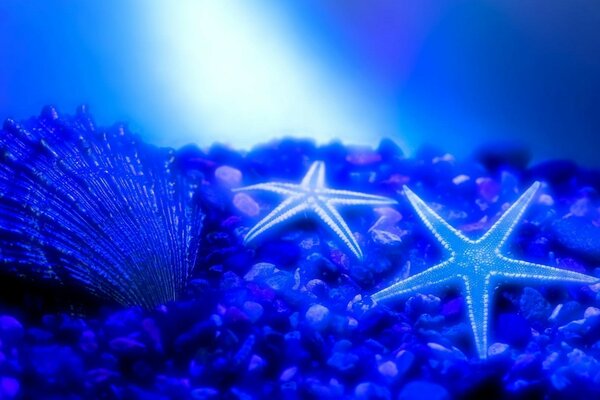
98	207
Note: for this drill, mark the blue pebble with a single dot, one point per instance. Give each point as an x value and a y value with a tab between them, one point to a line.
423	390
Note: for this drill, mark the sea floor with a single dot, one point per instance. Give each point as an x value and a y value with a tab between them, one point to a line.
289	315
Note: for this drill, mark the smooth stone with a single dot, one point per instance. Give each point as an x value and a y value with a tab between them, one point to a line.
579	235
88	342
389	150
371	391
127	346
228	176
260	272
388	369
423	390
343	361
392	237
533	306
566	312
317	316
489	189
253	310
497	349
288	374
422	304
205	393
256	363
11	330
246	204
9	387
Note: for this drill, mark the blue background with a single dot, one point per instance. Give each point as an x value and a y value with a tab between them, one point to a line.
454	73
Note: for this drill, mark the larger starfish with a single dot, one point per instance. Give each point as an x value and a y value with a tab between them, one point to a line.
312	195
477	267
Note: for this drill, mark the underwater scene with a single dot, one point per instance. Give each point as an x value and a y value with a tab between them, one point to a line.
299	200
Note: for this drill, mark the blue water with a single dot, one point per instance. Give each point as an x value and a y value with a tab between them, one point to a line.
447	73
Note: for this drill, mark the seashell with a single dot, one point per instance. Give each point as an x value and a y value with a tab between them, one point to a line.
99	208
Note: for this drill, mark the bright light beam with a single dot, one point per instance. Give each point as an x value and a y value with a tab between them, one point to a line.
235	72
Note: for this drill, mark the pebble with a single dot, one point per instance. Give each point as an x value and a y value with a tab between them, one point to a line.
246	204
371	391
228	176
253	310
317	317
11	330
498	349
423	390
9	387
291	316
388	369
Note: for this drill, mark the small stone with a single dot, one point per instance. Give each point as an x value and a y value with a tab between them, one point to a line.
11	330
565	312
253	310
421	304
497	349
205	393
578	234
388	369
246	204
87	341
343	361
317	316
127	346
9	387
362	156
228	176
288	374
533	306
371	391
392	237
260	272
423	390
591	312
99	376
546	200
551	360
389	150
457	180
489	189
256	363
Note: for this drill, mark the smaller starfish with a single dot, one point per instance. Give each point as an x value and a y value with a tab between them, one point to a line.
312	195
477	267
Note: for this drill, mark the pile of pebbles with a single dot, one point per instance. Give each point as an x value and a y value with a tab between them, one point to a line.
289	316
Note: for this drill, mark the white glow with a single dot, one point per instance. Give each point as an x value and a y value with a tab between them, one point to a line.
234	72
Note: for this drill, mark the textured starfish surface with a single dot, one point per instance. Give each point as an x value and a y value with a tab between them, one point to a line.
477	267
313	196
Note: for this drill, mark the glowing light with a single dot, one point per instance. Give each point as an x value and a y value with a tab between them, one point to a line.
236	72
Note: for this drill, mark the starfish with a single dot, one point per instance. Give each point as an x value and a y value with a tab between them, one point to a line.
477	267
312	195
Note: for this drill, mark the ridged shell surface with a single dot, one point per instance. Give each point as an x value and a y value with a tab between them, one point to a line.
94	207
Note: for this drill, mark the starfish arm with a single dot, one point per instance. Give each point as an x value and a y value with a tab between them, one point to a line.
286	210
348	198
500	231
434	276
286	189
449	237
315	177
477	297
336	223
526	271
